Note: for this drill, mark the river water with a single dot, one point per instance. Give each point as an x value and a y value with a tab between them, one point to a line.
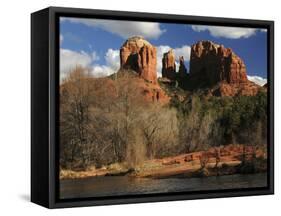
124	185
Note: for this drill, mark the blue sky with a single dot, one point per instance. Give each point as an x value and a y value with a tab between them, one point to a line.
95	43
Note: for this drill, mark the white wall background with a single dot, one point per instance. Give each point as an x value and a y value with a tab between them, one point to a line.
15	106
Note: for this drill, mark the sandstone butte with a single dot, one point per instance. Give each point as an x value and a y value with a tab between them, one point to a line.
220	69
213	62
182	69
139	55
216	67
169	65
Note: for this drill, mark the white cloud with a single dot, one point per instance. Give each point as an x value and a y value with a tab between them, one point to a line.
125	29
70	59
61	38
179	51
226	32
112	64
112	58
102	71
263	30
258	80
95	56
177	66
183	51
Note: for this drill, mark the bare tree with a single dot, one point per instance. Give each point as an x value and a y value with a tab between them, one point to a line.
160	130
195	130
77	134
204	159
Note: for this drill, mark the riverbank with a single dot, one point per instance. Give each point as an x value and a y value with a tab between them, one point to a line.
126	185
227	160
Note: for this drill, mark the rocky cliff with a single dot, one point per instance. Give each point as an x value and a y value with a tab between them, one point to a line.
213	67
169	65
182	69
140	88
212	63
139	55
219	69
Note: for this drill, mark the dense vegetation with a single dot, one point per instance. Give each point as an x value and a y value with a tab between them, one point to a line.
241	119
104	121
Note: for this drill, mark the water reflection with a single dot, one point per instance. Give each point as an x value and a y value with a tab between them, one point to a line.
124	185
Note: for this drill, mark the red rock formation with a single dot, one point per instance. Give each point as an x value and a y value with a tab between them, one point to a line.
212	63
155	94
169	65
220	69
182	69
247	88
141	89
139	55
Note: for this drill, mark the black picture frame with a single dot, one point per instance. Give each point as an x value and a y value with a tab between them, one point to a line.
44	106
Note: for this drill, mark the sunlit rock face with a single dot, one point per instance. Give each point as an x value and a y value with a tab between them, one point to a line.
169	65
139	55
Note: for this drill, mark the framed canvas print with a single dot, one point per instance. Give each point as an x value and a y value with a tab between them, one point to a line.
139	107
